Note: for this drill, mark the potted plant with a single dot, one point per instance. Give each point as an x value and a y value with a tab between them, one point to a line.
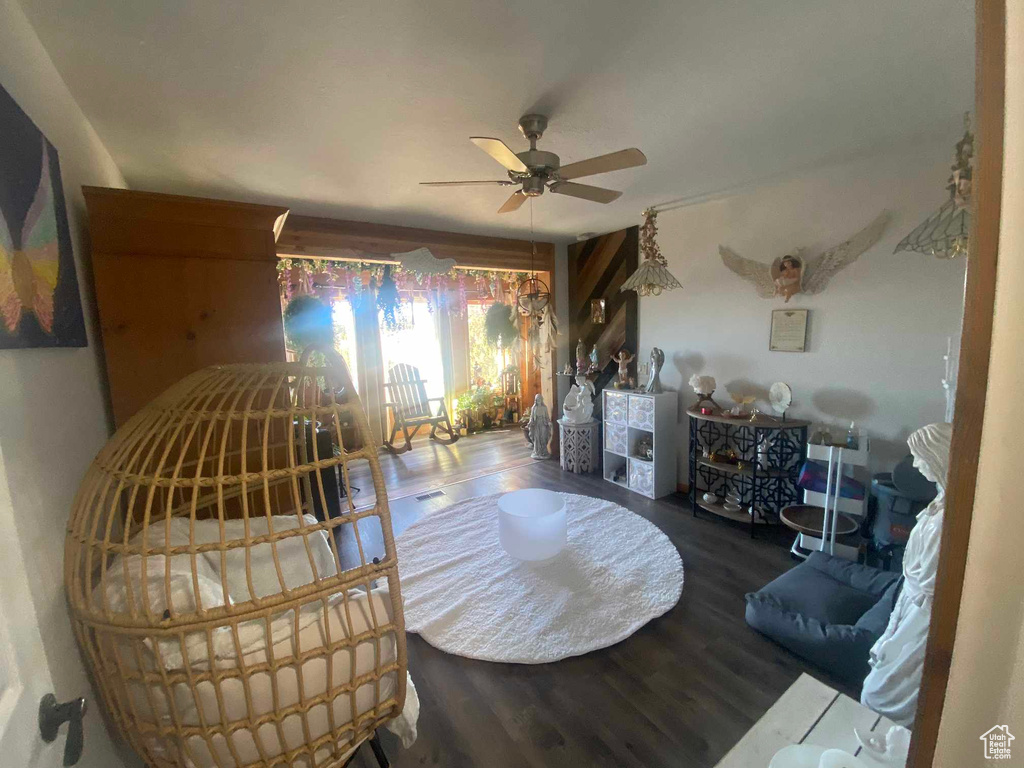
464	411
500	327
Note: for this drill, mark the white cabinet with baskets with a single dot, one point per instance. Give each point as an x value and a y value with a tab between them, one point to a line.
632	419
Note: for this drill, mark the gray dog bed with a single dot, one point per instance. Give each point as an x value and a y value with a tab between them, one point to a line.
827	610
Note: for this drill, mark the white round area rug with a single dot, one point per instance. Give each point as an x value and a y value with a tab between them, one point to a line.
465	595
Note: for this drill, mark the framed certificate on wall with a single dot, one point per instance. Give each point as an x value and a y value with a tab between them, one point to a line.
789	330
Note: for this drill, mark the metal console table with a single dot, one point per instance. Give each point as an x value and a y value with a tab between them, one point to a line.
767	491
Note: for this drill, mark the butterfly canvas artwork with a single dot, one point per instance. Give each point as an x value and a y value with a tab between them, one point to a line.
40	305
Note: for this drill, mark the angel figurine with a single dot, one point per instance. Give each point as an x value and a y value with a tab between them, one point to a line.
654	382
788	276
793	273
582	363
623	358
579	403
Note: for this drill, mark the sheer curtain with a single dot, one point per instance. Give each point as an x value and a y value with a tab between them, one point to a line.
451	336
371	362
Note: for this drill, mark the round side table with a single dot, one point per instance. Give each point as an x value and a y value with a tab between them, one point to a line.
578	446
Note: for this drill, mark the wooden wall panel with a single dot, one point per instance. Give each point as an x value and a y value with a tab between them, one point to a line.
181	283
597	269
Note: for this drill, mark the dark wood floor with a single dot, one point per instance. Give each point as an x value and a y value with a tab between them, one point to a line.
431	465
679	692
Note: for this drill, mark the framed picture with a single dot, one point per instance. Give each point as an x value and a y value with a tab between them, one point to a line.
597	311
789	330
39	301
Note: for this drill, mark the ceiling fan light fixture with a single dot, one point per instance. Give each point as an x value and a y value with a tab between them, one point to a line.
533	186
652	276
536	169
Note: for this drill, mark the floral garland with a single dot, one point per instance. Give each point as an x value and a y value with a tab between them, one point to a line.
393	285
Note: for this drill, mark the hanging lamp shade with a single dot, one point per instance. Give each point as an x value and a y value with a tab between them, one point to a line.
945	233
217	580
652	277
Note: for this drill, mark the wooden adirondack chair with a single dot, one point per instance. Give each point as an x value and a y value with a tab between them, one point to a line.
410	408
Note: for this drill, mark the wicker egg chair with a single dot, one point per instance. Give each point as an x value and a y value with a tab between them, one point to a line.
226	608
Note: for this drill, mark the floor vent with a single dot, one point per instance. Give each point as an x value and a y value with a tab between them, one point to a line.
431	495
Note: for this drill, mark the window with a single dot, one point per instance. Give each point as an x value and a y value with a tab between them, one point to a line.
345	336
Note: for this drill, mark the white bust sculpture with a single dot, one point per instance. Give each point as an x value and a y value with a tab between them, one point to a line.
897	659
578	407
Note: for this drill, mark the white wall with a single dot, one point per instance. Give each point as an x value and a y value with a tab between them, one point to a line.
878	332
53	407
986	684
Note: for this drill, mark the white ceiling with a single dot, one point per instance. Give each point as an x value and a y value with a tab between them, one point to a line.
339	107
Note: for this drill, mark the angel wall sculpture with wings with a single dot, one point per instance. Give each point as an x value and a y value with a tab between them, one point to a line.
795	273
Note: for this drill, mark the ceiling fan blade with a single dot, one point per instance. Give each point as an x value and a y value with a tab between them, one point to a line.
501	182
513	203
585	192
497	149
614	161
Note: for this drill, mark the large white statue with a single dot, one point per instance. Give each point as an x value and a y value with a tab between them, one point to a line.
540	429
898	657
578	407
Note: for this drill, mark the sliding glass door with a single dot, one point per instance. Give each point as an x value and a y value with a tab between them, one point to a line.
415	343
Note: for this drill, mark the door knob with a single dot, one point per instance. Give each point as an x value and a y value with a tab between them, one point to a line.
52	715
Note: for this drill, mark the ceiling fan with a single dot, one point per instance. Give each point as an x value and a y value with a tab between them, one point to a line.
534	170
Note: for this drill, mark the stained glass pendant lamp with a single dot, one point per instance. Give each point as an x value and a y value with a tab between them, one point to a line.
652	277
944	234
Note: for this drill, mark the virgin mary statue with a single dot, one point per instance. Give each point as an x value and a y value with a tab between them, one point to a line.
898	657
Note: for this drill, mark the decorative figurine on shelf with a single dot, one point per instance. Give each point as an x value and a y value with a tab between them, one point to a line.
764	451
623	358
582	363
593	360
644	448
704	387
781	397
578	407
653	385
567	371
724	455
741	403
540	429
